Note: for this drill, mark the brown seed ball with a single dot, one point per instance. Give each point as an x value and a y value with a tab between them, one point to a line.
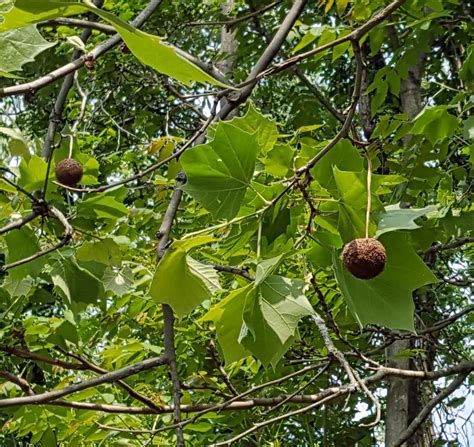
69	172
365	258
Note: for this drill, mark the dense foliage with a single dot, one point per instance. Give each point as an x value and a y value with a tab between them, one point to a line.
218	192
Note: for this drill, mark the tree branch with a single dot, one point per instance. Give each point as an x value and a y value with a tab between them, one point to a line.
66	21
266	58
22	383
428	408
67	235
168	316
86	364
16	224
98	51
106	378
236	20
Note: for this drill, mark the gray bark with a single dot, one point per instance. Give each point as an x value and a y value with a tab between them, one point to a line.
405	397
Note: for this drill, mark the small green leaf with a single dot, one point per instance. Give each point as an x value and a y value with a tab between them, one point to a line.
101	206
278	161
118	281
344	156
255	121
22	244
105	251
227	316
17	145
468	131
33	173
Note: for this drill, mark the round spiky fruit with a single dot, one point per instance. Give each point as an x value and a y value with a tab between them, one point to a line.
365	258
69	172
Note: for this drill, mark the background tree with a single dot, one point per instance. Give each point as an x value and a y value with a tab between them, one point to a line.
190	289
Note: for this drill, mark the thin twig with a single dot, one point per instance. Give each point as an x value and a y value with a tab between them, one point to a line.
66	237
217	361
232	22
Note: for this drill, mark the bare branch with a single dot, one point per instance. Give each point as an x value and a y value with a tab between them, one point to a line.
25	354
217	361
428	408
168	316
266	58
86	364
66	21
234	270
106	378
232	404
16	224
22	383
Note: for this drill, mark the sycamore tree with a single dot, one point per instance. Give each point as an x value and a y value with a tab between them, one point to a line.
181	185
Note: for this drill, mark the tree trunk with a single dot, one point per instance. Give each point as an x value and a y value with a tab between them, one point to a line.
405	397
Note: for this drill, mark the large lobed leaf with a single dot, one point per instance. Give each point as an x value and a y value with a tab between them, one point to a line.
261	318
181	281
219	173
387	299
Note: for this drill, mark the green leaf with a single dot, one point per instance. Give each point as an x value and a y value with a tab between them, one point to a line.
352	194
227	316
33	173
468	131
272	312
344	156
387	299
49	438
435	123
17	145
20	46
255	121
396	218
101	206
149	49
182	282
341	6
219	173
105	251
77	284
118	281
278	161
22	244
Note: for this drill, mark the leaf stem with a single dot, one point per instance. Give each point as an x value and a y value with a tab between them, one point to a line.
369	195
